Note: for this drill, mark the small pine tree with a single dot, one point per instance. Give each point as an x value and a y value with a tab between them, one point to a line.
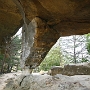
53	58
10	56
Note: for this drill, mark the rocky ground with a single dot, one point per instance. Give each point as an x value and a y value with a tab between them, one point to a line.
5	78
19	81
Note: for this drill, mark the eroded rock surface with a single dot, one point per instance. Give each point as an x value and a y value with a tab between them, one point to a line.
5	78
65	16
46	82
77	69
53	19
72	69
56	70
37	41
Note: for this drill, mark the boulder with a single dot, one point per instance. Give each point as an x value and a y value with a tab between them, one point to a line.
77	69
46	82
56	70
72	69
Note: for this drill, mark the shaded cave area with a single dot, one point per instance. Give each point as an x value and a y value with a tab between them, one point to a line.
42	22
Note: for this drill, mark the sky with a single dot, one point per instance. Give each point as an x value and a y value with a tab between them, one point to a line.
19	31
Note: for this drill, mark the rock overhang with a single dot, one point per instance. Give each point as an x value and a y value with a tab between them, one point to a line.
61	18
61	14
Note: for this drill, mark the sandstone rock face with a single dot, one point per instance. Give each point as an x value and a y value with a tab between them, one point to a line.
44	82
65	16
72	69
56	70
77	69
37	41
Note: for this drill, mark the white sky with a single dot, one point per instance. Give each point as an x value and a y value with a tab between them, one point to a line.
19	31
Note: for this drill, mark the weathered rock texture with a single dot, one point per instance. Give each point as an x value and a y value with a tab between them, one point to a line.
72	69
37	41
44	82
77	69
53	18
56	70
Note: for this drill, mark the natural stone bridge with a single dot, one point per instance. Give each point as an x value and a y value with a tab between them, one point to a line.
43	22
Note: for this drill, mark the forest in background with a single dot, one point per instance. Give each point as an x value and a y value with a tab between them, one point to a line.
72	49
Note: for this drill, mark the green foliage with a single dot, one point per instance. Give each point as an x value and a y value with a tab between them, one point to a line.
53	58
16	51
13	49
84	60
74	49
16	47
88	42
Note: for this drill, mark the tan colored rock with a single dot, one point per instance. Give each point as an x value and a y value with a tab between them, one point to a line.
72	69
54	18
77	69
46	82
65	16
56	70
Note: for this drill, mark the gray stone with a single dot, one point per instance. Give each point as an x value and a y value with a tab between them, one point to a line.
46	82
